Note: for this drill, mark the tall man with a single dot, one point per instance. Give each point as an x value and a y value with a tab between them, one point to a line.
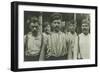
56	44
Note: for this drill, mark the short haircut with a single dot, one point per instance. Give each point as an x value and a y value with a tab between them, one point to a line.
71	22
46	23
34	19
56	16
84	21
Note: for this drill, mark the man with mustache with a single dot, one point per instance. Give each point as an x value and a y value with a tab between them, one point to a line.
84	41
32	41
56	44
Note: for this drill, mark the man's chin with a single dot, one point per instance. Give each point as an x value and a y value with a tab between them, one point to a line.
57	30
86	33
34	32
47	32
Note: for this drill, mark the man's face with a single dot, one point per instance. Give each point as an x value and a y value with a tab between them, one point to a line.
34	27
63	24
47	29
85	28
72	28
56	24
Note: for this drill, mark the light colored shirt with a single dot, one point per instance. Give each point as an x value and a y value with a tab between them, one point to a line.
56	44
84	44
43	46
33	44
73	45
45	38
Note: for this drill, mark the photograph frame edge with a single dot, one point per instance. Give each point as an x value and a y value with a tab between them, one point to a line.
14	36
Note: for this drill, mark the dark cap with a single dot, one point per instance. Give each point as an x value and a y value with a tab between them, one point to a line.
72	22
85	21
55	16
34	19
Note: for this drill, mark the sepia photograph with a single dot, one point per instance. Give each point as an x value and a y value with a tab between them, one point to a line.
56	36
53	36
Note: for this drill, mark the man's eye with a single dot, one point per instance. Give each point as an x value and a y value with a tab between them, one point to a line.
86	25
34	26
58	23
54	22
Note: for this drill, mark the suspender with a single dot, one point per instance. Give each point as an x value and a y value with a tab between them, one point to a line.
26	44
41	53
79	52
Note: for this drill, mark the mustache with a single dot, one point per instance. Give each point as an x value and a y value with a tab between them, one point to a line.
35	30
56	26
84	29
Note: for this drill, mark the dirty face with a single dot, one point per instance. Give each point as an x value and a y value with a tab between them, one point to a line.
47	29
72	28
85	28
56	24
34	27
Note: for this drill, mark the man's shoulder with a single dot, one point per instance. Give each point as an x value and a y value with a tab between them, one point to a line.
70	34
81	35
28	34
44	35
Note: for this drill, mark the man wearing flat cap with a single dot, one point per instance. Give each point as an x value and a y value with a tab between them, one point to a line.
56	44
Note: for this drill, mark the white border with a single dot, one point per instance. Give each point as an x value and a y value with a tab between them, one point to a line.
22	64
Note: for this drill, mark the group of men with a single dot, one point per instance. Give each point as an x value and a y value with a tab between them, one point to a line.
53	43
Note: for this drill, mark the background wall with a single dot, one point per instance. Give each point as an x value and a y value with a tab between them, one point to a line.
5	20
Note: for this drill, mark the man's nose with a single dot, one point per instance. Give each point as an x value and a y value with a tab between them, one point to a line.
56	24
34	28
